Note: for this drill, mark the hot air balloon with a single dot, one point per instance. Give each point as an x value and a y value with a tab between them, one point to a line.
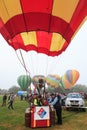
44	26
70	78
39	82
24	81
53	80
65	83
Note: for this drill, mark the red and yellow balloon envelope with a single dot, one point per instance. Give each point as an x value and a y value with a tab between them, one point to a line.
70	78
46	26
53	80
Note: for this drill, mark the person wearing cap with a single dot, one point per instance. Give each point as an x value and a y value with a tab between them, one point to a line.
57	106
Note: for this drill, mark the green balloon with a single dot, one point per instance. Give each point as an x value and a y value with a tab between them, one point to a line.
24	81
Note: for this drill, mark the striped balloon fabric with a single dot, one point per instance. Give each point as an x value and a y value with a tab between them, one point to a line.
46	26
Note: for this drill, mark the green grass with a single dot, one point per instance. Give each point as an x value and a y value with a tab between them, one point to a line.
15	119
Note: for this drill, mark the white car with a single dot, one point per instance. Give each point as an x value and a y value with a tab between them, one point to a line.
75	100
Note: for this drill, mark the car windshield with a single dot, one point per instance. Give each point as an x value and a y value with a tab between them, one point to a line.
74	95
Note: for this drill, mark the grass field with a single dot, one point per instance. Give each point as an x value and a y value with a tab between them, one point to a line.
15	119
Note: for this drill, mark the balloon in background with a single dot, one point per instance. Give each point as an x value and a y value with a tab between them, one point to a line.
38	81
70	78
24	81
65	83
24	93
53	80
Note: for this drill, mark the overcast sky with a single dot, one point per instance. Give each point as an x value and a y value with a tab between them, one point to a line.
75	57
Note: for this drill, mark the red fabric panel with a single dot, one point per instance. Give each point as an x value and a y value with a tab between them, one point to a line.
44	39
60	26
37	17
37	6
37	21
78	16
17	43
15	25
4	31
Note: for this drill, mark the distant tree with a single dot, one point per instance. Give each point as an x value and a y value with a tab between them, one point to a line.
14	89
79	88
3	91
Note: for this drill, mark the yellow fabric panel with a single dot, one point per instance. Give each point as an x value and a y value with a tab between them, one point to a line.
64	8
7	9
29	38
57	42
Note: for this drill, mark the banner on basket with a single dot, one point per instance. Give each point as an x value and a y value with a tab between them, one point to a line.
42	113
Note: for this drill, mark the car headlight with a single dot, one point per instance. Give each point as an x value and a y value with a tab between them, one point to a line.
81	102
67	102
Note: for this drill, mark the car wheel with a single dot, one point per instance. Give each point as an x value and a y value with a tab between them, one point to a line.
83	109
67	109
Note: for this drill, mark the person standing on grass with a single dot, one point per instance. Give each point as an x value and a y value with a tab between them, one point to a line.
10	103
57	106
4	100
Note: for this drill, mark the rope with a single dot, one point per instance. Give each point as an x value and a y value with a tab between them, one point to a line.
13	30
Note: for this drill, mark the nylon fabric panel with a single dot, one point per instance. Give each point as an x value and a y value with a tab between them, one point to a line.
43	6
3	13
58	25
29	38
66	84
75	76
37	17
69	76
44	40
64	9
80	14
77	18
57	42
37	21
17	42
14	26
37	14
24	81
7	9
3	30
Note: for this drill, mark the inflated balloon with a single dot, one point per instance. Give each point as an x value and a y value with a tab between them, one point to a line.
19	93
38	81
72	76
65	83
24	81
46	26
69	78
53	80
